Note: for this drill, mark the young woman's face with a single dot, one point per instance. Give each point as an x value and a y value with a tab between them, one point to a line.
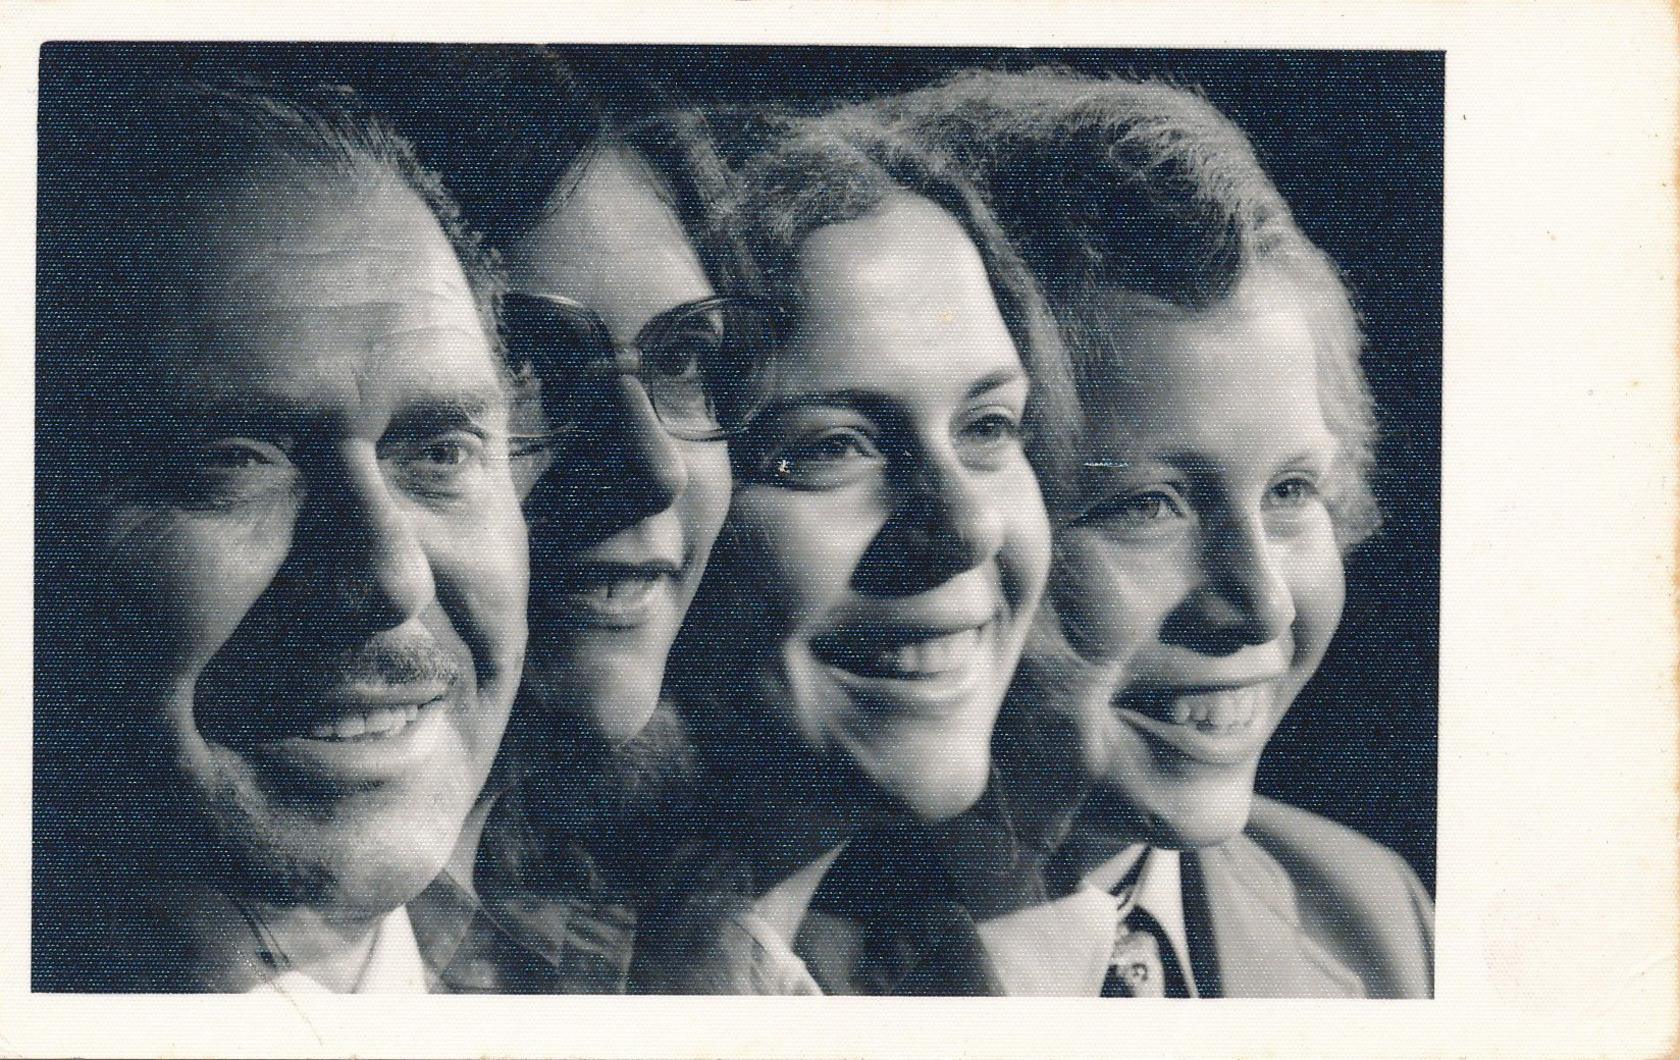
891	537
624	520
1204	566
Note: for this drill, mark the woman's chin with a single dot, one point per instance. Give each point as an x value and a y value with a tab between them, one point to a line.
622	720
935	790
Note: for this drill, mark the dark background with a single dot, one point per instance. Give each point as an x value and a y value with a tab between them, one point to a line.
1354	141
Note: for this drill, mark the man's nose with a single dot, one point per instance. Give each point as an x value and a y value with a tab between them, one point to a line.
1244	596
379	566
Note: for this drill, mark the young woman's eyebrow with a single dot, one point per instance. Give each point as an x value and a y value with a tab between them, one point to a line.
997	380
872	402
864	401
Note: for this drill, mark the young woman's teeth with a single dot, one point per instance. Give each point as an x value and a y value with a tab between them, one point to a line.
922	658
1214	711
372	723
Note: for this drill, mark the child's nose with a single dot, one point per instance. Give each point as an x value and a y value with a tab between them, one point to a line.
1244	595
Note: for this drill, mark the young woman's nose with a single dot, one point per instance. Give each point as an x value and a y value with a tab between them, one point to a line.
1243	596
947	521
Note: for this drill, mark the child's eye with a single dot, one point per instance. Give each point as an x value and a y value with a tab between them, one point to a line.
828	459
1292	491
1144	509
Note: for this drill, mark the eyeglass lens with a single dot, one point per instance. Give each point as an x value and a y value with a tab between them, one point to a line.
701	365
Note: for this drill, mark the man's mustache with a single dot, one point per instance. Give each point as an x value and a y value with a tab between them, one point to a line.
242	699
408	661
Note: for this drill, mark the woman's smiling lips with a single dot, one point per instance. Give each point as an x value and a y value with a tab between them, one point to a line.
613	593
906	653
1219	726
915	667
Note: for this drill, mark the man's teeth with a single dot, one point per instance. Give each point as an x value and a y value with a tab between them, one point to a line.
372	723
1233	709
934	655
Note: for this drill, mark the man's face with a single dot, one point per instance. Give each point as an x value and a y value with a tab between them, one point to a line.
317	564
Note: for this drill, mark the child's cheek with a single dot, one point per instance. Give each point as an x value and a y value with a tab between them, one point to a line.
1095	597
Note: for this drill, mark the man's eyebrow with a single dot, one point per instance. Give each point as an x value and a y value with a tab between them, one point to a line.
448	412
260	415
257	416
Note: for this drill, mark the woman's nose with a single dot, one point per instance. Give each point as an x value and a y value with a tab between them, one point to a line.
650	467
1244	595
948	521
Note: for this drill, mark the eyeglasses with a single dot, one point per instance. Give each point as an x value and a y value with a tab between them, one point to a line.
702	364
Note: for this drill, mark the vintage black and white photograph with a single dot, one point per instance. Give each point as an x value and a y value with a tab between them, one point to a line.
688	520
784	529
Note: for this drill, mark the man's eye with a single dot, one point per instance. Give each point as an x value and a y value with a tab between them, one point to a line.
831	458
224	472
439	462
451	453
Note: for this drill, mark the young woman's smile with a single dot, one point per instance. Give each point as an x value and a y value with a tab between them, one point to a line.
889	529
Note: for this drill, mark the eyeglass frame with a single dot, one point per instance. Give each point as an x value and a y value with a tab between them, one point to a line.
626	357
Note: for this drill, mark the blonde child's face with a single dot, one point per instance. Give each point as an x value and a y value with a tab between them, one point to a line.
1202	565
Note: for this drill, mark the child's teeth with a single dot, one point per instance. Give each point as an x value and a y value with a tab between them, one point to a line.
1232	709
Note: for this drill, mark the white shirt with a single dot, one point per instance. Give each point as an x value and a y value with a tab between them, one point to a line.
1062	948
393	965
773	922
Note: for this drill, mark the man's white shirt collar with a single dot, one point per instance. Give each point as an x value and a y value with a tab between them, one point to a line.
393	965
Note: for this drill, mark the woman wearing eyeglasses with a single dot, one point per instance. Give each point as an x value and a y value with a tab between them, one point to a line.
621	322
885	549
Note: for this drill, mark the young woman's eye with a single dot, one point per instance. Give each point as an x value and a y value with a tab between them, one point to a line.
992	429
830	458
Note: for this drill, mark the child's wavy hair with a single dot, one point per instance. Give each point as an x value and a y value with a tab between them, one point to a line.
1133	196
